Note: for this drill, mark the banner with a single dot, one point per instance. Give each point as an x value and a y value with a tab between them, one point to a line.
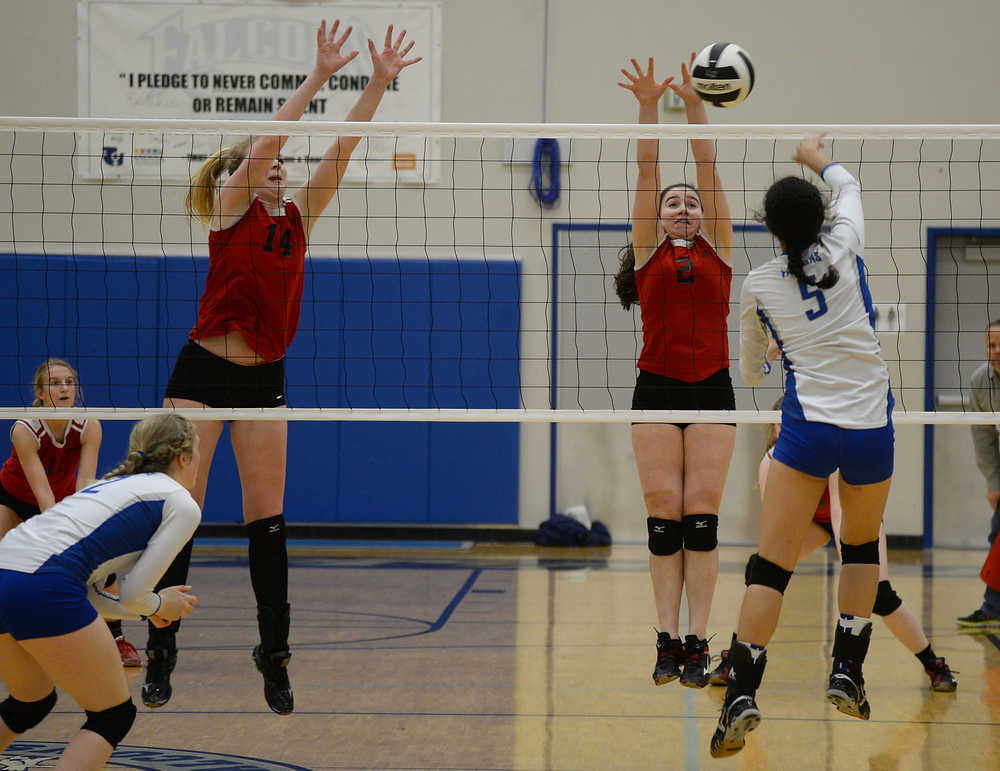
221	60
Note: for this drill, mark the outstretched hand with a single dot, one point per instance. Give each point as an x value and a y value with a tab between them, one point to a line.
328	55
808	147
685	90
643	84
390	61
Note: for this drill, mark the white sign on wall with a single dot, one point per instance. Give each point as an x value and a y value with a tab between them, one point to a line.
225	59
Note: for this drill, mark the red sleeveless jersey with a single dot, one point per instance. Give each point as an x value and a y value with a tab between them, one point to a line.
823	509
59	459
255	278
684	300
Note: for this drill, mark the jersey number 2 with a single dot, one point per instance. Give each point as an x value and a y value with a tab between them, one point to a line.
813	294
685	270
285	242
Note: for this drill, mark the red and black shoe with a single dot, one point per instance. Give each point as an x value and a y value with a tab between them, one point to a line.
696	662
129	655
669	657
720	675
941	676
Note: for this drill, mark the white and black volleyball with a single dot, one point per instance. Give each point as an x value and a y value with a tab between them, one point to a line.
722	74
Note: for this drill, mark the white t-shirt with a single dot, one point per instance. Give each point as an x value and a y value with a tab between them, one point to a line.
834	372
132	526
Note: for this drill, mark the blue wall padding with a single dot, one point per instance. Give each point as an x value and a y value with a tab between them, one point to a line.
373	333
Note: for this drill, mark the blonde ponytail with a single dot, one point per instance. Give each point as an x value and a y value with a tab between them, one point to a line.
200	201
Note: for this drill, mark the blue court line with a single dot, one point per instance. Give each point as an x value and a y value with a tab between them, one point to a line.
459	596
432	626
994	639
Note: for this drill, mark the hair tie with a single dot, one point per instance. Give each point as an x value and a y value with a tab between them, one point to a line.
142	455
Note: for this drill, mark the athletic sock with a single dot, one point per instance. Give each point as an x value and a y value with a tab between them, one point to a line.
269	561
927	657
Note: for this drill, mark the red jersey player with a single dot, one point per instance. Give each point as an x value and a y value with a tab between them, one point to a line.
678	268
247	318
52	459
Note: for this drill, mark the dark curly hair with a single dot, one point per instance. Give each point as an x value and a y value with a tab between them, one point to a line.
794	212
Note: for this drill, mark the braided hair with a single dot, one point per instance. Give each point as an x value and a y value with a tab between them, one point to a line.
794	213
154	443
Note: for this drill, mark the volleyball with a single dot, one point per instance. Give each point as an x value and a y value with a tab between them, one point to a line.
722	74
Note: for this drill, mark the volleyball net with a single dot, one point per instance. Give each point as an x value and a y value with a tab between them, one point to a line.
465	272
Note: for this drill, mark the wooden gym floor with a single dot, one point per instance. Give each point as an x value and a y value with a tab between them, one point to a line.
513	657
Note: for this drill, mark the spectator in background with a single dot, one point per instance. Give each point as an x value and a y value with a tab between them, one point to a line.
985	397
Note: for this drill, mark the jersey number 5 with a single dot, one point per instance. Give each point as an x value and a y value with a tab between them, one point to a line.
813	294
285	242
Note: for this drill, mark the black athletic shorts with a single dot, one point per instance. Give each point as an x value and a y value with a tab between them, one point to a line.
201	376
24	510
828	526
656	392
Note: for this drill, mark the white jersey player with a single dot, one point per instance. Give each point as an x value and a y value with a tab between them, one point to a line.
834	371
53	569
131	526
836	415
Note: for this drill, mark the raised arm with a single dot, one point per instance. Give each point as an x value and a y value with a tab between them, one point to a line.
237	192
846	237
646	206
26	447
718	223
313	197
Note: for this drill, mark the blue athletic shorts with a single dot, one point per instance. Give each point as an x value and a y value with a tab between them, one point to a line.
863	455
44	604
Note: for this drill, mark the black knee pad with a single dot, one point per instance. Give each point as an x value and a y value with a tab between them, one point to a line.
112	724
859	554
886	600
21	716
701	532
666	536
765	573
749	569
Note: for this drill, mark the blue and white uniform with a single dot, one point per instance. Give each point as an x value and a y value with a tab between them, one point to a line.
834	372
54	566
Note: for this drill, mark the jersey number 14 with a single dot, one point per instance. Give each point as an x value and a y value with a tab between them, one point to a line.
284	243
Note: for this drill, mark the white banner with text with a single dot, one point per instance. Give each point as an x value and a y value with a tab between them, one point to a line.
219	60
